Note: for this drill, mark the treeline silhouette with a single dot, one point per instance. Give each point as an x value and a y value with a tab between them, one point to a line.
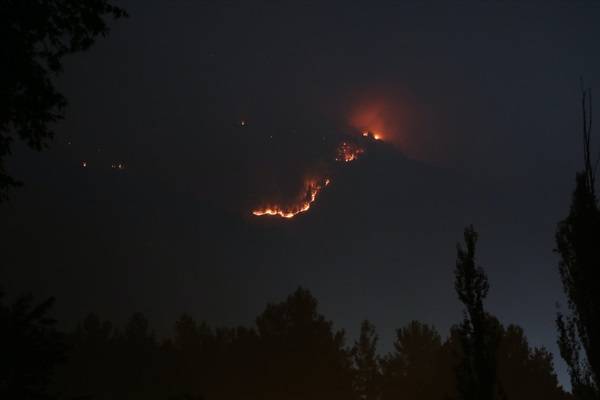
292	352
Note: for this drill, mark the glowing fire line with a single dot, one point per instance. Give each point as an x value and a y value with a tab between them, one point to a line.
312	191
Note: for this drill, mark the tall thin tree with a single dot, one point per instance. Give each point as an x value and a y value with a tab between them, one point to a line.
578	245
476	375
367	374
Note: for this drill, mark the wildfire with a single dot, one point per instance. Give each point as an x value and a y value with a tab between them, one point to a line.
348	152
312	189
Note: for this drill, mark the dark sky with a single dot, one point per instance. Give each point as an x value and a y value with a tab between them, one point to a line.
479	108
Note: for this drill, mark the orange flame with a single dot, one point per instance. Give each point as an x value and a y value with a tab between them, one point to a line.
377	118
310	195
348	152
375	136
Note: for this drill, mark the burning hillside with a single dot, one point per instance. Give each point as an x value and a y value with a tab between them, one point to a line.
346	152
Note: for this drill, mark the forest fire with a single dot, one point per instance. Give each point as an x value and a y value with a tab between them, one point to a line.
312	189
348	152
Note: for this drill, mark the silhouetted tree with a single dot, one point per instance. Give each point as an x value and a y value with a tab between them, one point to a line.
30	348
578	245
301	356
522	372
416	363
34	37
367	374
525	372
476	375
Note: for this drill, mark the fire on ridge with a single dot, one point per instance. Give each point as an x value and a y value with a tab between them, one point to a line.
346	152
312	189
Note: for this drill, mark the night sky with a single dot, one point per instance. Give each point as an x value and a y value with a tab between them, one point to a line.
215	108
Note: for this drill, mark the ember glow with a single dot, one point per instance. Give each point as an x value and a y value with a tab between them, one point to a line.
375	136
382	115
348	152
372	120
311	191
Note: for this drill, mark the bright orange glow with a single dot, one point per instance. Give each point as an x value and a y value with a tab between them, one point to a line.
375	136
371	119
312	189
348	152
382	114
